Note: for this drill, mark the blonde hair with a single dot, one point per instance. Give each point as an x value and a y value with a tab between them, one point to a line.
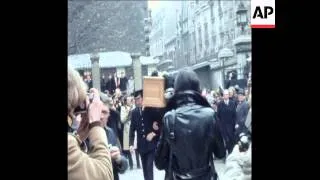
77	89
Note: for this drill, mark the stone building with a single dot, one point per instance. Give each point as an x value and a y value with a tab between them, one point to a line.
209	40
106	26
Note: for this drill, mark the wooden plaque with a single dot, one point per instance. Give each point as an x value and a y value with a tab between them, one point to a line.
153	92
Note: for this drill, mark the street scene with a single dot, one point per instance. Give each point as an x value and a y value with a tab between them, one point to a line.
159	175
159	90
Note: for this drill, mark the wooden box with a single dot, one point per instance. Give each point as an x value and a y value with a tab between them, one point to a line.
153	92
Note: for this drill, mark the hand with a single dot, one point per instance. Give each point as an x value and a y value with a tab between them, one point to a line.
83	130
95	108
150	136
155	125
115	154
131	149
236	149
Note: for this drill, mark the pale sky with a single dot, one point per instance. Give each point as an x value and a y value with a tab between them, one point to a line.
153	4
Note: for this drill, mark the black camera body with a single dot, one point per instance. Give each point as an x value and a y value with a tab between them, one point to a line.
82	108
244	142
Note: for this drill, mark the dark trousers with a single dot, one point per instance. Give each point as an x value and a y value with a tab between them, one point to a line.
137	159
147	165
128	155
230	142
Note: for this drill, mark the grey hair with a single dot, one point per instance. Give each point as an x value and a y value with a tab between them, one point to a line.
106	99
77	89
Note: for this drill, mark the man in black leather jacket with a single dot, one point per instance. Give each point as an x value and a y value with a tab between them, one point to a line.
196	135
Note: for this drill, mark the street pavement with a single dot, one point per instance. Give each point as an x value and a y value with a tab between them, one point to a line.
137	174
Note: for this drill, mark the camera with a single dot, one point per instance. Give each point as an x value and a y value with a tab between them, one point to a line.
90	95
82	108
244	142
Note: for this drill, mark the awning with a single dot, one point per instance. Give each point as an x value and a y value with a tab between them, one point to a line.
167	61
242	39
200	65
225	52
107	60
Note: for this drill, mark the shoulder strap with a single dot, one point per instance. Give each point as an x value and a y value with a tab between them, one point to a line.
171	123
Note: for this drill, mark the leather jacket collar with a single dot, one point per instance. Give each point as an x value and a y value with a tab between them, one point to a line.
186	97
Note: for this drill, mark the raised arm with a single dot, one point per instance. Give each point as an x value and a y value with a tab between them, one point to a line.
96	165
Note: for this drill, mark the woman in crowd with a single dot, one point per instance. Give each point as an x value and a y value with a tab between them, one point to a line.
96	165
125	120
190	135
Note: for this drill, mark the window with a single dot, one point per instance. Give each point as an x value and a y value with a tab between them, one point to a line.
200	39
230	14
227	35
232	34
211	14
214	40
206	35
221	38
191	5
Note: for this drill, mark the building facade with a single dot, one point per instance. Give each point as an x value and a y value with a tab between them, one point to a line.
207	38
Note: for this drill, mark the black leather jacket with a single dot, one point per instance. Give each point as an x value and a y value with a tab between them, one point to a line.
197	137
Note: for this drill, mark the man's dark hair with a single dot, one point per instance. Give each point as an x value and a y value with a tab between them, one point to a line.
187	80
168	81
124	99
154	73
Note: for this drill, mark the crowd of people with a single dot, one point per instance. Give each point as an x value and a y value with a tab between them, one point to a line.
110	84
106	129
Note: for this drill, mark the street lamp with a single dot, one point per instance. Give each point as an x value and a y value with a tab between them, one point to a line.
242	17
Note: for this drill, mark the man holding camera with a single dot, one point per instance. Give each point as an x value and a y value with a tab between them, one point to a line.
119	162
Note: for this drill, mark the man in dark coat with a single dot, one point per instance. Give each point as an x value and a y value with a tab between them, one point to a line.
226	114
103	83
111	84
145	122
242	112
114	121
190	135
123	82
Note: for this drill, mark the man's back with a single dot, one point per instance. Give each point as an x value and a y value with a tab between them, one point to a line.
195	139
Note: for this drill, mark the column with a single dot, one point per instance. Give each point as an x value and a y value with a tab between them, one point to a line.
243	48
137	71
95	71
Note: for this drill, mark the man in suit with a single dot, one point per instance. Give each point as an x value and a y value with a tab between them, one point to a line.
111	84
242	112
123	82
226	114
146	123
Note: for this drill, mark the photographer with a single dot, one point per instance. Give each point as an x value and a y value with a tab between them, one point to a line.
238	165
96	165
